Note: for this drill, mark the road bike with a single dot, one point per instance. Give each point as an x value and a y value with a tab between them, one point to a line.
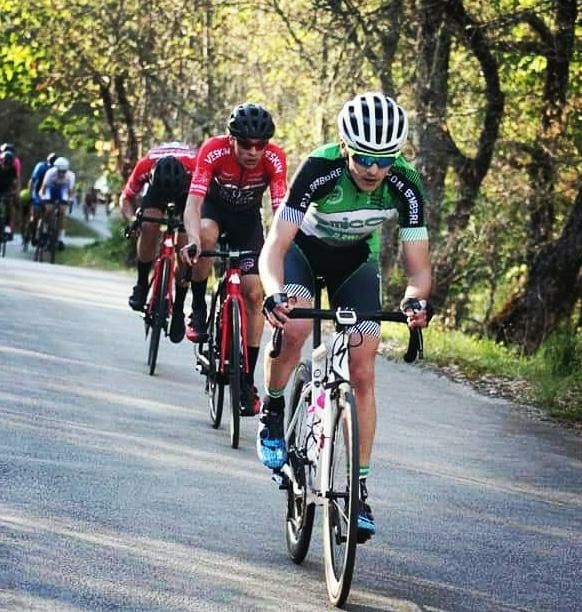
321	434
224	359
46	231
160	301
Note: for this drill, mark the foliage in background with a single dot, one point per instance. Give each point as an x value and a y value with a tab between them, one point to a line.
551	379
490	88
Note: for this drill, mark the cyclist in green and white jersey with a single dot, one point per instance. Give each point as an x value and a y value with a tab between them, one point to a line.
328	226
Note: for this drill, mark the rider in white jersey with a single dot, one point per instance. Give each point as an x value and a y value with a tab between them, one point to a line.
58	185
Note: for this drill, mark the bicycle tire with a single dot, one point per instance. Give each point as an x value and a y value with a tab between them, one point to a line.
39	248
2	233
215	382
159	317
234	374
300	514
340	512
53	238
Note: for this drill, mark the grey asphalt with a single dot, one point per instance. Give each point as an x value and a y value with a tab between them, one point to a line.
116	494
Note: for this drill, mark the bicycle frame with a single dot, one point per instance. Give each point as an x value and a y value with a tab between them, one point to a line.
336	374
231	280
167	251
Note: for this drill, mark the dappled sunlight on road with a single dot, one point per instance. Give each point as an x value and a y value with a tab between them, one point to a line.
175	562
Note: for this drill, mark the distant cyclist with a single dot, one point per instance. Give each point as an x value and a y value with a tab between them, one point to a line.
328	227
9	185
34	184
232	174
166	170
58	185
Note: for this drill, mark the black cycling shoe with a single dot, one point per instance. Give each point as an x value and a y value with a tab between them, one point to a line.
60	245
138	297
251	403
271	447
366	525
196	330
177	327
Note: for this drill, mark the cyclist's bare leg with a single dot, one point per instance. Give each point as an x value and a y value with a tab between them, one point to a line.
181	241
149	236
253	298
362	375
208	238
63	218
278	371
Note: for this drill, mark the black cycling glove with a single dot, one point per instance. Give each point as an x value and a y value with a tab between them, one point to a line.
417	305
272	301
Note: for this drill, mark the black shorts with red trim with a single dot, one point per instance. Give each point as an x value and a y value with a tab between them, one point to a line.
244	231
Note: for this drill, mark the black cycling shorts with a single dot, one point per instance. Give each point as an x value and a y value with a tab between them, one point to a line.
244	231
351	277
157	197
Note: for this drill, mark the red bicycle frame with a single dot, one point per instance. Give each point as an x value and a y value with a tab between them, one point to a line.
166	252
233	293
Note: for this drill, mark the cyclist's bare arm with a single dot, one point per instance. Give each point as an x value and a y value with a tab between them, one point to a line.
192	225
271	260
419	272
127	208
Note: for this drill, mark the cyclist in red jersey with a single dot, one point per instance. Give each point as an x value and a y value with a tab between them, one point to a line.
233	172
10	184
167	170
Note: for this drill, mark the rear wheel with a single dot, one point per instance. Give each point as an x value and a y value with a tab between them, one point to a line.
234	373
340	514
215	380
300	513
159	314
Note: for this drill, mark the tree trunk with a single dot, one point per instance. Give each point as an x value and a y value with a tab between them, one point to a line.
551	292
431	143
470	172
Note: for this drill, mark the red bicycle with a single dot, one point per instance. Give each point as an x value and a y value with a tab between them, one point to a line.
224	360
160	301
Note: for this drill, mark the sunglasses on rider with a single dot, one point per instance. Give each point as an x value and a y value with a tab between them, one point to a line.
367	161
248	144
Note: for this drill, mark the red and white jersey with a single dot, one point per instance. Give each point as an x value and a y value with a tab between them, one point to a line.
140	175
221	178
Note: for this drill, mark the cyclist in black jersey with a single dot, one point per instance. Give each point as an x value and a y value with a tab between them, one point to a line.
328	226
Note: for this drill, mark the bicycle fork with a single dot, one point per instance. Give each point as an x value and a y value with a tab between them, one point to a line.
233	283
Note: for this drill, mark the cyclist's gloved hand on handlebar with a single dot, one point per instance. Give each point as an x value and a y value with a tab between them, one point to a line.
275	309
418	311
189	252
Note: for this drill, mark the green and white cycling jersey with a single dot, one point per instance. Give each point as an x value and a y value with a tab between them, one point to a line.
325	203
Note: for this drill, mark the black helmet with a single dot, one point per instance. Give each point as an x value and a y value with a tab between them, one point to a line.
169	175
6	158
251	121
51	158
6	147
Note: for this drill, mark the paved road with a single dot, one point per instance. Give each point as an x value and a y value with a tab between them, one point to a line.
116	494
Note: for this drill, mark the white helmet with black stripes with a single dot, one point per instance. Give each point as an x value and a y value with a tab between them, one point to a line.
373	123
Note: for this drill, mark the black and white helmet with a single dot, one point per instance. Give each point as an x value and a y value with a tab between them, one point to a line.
373	123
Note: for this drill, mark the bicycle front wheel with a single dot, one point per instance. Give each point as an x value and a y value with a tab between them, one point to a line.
214	379
234	374
159	314
300	514
340	514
